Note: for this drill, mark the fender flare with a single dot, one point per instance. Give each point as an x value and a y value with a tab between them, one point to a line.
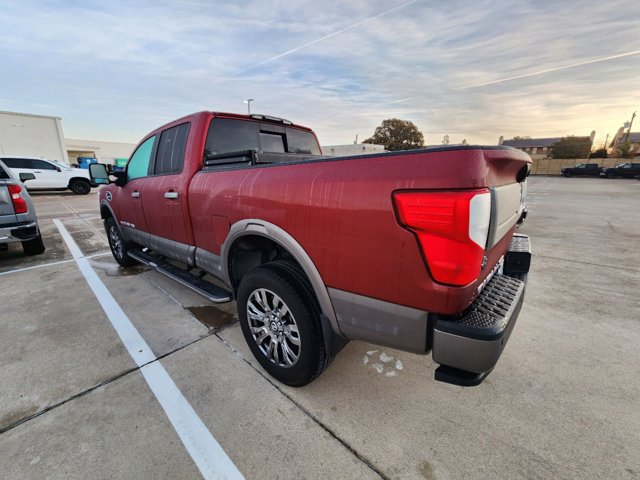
285	240
104	203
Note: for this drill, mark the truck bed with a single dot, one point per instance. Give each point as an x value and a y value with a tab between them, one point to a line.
341	211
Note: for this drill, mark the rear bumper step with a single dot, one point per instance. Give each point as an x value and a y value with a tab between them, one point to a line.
211	292
468	346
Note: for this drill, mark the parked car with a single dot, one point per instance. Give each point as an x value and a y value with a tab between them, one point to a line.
18	222
626	170
413	250
50	175
582	170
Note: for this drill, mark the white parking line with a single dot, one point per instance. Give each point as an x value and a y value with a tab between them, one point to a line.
206	452
43	265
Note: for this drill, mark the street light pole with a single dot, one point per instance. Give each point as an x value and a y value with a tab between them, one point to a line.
248	102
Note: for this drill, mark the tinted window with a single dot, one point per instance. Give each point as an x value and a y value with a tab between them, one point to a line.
272	142
3	175
138	165
42	165
231	136
299	141
226	135
170	156
17	162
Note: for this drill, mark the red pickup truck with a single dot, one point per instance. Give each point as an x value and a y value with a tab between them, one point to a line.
413	250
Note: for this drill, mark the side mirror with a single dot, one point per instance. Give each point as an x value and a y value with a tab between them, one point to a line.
27	176
99	174
121	178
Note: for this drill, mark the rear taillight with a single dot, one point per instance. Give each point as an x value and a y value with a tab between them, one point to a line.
19	205
452	229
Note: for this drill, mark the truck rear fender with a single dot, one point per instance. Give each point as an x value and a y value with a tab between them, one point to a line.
262	229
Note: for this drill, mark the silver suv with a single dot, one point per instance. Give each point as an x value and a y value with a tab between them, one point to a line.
18	222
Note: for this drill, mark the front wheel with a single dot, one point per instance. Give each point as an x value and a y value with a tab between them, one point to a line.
567	174
119	247
610	175
280	321
80	187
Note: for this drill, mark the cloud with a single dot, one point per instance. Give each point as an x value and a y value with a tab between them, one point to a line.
116	70
554	69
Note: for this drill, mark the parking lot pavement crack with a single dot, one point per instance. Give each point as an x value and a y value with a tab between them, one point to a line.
571	260
95	387
309	414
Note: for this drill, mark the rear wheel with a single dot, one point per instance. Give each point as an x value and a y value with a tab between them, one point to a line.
80	186
35	246
281	324
567	174
119	248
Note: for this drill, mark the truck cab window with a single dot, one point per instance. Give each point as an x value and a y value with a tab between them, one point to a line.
138	165
272	142
18	162
171	146
299	141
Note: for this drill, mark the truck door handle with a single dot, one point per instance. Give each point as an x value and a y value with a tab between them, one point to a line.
171	195
135	194
37	171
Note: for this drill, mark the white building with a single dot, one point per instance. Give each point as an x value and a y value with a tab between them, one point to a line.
27	135
351	149
105	152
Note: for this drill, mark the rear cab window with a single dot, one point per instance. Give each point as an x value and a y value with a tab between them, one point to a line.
230	135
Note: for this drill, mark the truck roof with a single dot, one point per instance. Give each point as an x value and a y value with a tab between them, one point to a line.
252	118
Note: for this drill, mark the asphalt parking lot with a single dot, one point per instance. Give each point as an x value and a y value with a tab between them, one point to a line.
563	401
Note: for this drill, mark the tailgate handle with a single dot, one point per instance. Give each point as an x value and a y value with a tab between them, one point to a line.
171	194
135	194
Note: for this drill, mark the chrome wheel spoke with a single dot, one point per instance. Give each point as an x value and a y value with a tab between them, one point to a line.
262	298
276	355
291	334
261	337
289	357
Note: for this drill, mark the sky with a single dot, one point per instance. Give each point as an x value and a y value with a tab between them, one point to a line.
468	69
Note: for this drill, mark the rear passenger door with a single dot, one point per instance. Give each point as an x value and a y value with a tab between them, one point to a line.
164	192
48	175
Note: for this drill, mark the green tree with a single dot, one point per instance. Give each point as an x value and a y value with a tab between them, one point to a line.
599	153
396	134
571	147
624	150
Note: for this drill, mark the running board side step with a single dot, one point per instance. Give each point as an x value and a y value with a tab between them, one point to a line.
208	290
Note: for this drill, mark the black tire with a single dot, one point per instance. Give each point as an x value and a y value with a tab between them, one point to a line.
80	186
567	174
35	246
275	279
611	175
119	248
